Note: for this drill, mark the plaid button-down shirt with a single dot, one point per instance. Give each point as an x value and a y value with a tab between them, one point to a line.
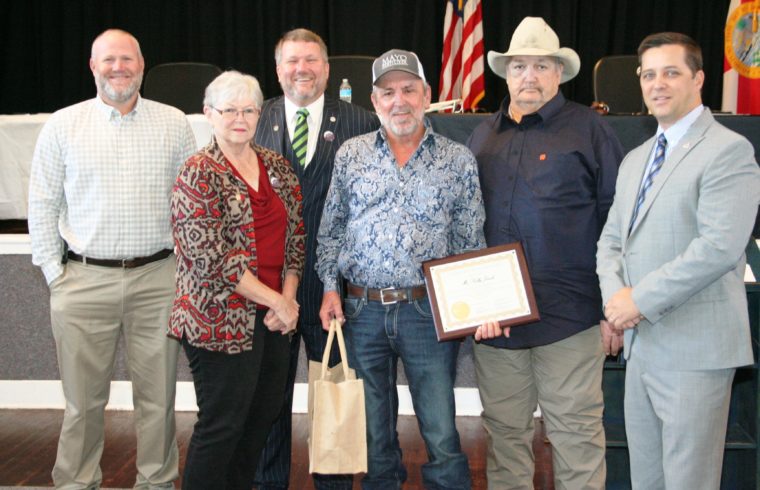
102	182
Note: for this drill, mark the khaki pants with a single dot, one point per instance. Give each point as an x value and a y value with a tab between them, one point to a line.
90	307
565	380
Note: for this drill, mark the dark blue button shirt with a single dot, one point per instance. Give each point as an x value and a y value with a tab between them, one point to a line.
548	182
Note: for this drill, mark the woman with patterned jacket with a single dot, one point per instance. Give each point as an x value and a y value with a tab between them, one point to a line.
239	235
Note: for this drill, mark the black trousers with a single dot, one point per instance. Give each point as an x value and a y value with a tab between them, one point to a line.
239	396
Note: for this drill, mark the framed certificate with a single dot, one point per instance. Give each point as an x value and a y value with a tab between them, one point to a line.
469	289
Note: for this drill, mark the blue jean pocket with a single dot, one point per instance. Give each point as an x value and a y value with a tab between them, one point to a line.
352	307
423	307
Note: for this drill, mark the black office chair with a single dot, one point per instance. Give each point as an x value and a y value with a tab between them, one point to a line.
358	70
617	85
181	85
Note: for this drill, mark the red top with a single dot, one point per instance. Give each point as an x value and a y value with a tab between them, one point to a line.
269	223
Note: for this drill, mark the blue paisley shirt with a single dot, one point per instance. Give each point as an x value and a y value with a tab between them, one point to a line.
381	221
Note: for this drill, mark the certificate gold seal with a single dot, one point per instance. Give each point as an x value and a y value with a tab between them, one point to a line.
460	310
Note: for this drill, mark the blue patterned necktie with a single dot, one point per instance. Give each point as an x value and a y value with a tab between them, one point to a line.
659	157
301	136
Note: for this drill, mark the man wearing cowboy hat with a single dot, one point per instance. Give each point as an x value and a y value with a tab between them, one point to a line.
547	172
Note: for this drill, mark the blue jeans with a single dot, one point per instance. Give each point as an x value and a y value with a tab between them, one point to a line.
376	337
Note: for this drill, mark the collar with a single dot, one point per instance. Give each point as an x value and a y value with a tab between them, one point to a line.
674	133
315	111
382	134
545	112
110	112
213	151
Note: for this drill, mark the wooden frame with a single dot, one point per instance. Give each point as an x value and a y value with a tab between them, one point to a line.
468	289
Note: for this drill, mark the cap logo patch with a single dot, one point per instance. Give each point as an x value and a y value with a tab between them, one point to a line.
394	60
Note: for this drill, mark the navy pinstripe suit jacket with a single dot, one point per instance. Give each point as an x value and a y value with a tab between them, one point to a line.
345	121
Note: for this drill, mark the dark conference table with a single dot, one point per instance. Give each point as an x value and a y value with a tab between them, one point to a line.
32	356
632	130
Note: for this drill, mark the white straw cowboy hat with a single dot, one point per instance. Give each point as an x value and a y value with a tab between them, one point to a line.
534	37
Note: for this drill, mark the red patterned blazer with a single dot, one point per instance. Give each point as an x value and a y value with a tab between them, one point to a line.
215	240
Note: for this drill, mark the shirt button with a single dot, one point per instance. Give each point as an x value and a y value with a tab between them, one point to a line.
510	178
395	210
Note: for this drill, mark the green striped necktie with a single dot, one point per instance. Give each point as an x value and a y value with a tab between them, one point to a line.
301	136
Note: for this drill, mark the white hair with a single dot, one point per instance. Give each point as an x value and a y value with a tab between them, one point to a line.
233	85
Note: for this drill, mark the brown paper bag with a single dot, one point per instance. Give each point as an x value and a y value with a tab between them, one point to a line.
337	423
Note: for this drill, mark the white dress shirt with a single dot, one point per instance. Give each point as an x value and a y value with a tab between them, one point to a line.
102	182
672	135
314	121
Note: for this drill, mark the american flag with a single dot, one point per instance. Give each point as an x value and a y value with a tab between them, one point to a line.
462	61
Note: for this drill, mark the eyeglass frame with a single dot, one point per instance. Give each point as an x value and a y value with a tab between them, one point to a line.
231	113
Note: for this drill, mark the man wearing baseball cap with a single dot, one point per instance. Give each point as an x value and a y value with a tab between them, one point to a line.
399	196
547	169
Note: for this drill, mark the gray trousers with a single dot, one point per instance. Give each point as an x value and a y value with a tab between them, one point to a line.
675	423
90	308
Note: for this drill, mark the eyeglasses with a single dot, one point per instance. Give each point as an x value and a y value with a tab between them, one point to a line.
231	113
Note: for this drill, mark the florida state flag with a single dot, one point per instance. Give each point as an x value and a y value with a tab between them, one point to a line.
741	66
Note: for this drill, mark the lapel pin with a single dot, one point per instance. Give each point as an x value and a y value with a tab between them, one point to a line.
542	156
328	136
275	128
332	118
274	181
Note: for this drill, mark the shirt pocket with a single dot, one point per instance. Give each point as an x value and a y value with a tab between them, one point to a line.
432	202
559	176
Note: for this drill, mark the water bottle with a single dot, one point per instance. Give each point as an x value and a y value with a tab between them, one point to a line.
345	90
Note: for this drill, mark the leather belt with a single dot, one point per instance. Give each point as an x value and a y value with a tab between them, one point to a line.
387	296
122	263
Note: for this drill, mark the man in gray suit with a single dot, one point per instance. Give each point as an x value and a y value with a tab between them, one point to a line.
671	264
303	69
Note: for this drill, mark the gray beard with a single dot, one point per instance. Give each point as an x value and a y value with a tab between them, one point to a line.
397	130
124	95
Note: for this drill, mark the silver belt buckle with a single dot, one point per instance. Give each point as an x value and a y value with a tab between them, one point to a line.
382	297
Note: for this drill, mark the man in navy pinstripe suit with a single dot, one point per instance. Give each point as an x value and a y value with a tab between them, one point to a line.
303	69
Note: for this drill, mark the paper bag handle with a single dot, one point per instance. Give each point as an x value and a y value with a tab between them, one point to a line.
335	327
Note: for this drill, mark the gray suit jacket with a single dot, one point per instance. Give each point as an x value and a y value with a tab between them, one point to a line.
342	121
685	256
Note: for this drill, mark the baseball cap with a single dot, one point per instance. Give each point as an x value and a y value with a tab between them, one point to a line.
397	60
